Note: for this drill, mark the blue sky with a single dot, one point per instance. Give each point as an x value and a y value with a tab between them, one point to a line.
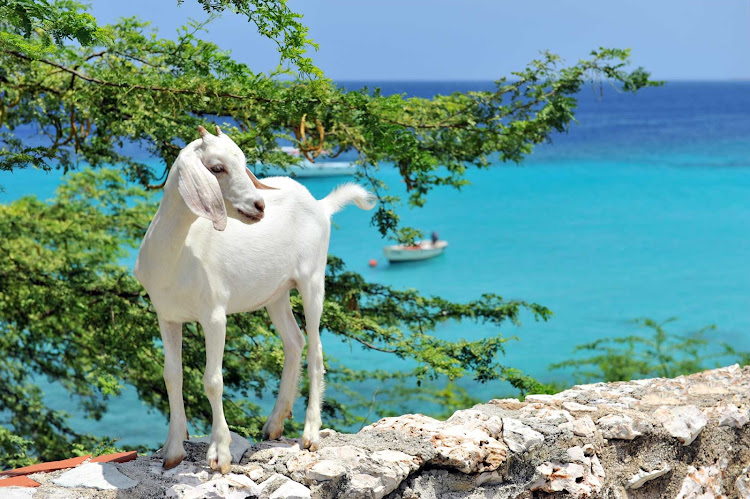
482	39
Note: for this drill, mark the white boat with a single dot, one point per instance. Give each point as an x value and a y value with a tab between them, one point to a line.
323	169
308	169
420	251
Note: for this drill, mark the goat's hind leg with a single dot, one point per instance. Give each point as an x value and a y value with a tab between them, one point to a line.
312	298
171	335
282	317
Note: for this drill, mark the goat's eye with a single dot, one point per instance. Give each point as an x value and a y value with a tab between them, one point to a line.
217	169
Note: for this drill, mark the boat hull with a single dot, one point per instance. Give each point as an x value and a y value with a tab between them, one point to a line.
315	170
424	250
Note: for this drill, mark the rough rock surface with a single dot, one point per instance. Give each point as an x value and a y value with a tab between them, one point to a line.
686	437
102	476
643	476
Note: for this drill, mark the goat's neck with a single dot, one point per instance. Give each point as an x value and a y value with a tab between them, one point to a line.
165	239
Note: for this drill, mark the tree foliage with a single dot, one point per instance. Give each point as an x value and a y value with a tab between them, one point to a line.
275	21
39	26
660	354
70	312
140	89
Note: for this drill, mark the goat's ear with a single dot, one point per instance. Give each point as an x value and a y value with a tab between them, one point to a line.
257	183
201	191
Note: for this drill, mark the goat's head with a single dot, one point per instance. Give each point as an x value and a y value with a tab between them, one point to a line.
215	182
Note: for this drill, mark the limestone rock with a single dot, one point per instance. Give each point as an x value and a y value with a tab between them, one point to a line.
268	454
18	492
401	463
618	426
489	478
363	485
576	454
732	416
518	436
551	446
325	470
470	441
185	473
541	398
742	484
682	422
582	477
384	469
279	486
512	404
231	486
639	479
102	476
546	413
559	477
327	432
476	420
291	490
703	483
254	472
242	482
576	407
272	483
582	427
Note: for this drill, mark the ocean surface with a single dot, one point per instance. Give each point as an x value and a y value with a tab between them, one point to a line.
641	210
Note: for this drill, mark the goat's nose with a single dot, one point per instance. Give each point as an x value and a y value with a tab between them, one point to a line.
260	205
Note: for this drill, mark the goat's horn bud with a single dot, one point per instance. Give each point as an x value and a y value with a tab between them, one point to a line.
202	131
218	130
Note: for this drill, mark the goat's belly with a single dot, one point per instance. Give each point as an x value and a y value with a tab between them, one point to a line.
257	296
175	306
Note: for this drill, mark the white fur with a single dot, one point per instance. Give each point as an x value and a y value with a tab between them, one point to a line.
200	263
345	194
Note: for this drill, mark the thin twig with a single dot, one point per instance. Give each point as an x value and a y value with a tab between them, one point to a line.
370	411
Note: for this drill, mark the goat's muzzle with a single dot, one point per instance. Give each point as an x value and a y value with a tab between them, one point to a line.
255	218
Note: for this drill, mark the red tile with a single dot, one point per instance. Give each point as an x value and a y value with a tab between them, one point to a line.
120	457
46	467
18	481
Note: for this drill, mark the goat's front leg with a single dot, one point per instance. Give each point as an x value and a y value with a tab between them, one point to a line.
218	456
171	336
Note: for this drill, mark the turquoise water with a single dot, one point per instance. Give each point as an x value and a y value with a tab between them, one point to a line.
642	210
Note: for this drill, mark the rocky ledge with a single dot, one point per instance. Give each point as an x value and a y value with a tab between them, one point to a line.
686	437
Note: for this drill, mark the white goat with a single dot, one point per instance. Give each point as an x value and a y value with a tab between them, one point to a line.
205	256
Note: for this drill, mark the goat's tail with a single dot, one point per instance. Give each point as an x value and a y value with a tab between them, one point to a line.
345	194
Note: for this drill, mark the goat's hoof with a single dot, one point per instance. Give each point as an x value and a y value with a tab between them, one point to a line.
223	468
173	453
171	462
273	435
272	431
310	443
219	458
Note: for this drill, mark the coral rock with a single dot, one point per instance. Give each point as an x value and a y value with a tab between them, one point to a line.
618	426
519	437
683	422
639	479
